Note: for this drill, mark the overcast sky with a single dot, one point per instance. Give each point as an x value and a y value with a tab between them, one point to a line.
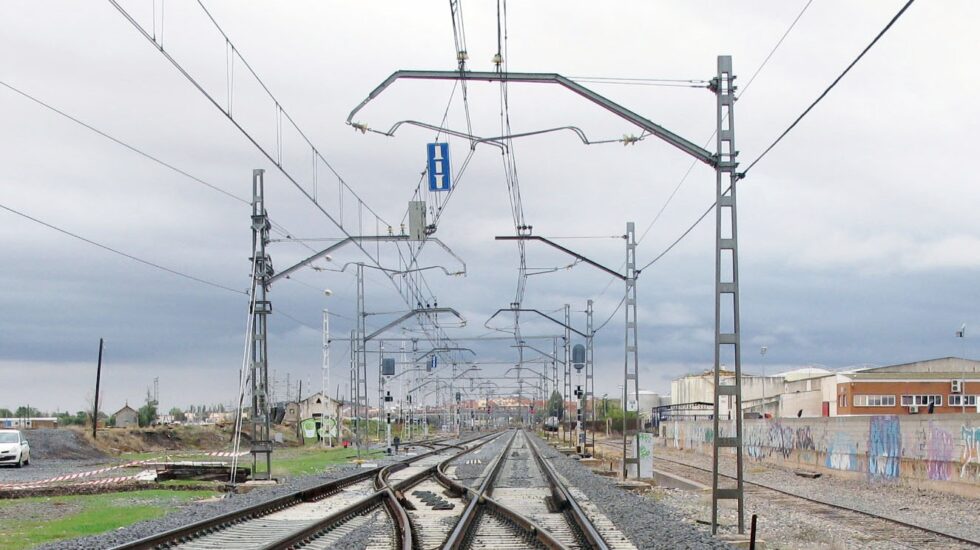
859	241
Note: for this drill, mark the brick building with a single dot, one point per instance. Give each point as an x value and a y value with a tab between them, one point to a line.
950	385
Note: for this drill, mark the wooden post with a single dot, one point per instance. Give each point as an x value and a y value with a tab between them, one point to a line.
98	378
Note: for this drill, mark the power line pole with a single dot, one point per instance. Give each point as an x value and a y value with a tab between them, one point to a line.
260	421
726	290
589	384
568	371
632	364
360	368
98	379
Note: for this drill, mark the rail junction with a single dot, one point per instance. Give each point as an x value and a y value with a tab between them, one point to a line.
518	501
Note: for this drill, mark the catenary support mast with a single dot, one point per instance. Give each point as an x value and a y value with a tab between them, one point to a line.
727	334
259	419
631	461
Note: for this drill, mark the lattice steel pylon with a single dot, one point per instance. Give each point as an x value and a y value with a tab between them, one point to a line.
259	419
568	372
589	384
632	363
726	291
360	391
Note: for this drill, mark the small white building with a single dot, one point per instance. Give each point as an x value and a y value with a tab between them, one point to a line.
318	406
127	417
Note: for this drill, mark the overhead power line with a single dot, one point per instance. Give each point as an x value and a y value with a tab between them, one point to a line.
791	126
123	254
831	87
132	148
690	168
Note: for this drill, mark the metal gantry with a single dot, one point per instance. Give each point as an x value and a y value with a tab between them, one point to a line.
727	337
259	420
632	361
723	161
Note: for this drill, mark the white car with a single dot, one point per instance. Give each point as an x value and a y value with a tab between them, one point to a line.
14	448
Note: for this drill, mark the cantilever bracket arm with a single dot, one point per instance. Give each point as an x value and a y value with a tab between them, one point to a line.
688	147
413	313
288	271
548	317
442	350
572	253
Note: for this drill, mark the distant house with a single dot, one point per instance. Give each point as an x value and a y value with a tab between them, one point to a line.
317	406
290	415
127	417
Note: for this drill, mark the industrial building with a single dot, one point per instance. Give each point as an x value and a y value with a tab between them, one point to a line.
937	386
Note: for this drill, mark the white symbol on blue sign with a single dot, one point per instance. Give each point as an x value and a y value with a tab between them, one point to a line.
438	154
433	362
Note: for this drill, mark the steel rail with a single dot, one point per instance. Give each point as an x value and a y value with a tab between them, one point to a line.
396	492
385	495
563	498
207	526
482	498
837	506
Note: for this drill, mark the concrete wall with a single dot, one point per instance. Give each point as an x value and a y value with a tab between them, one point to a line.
928	451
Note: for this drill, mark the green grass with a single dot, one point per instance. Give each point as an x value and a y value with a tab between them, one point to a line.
185	455
28	522
302	461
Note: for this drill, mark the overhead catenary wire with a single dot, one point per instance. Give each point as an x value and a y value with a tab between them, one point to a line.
142	152
121	253
831	86
791	126
273	156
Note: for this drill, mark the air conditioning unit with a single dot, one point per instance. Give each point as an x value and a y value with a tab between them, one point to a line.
914	409
956	386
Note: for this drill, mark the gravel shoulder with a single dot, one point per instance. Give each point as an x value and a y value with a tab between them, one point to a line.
941	511
648	523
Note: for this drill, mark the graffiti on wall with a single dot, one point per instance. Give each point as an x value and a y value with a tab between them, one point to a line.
971	449
939	453
842	453
762	441
884	447
686	436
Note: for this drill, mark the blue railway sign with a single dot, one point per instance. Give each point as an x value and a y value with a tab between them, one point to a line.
438	156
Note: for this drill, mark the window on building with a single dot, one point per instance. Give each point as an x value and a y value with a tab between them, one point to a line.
874	400
962	400
909	400
842	400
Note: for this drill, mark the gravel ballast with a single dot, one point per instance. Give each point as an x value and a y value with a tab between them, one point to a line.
648	523
935	510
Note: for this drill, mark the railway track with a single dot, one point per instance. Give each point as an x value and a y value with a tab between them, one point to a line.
518	501
876	527
522	502
316	518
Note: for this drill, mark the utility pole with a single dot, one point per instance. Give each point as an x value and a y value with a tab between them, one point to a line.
98	379
261	450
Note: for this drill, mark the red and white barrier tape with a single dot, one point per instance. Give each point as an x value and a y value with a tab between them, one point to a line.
82	475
